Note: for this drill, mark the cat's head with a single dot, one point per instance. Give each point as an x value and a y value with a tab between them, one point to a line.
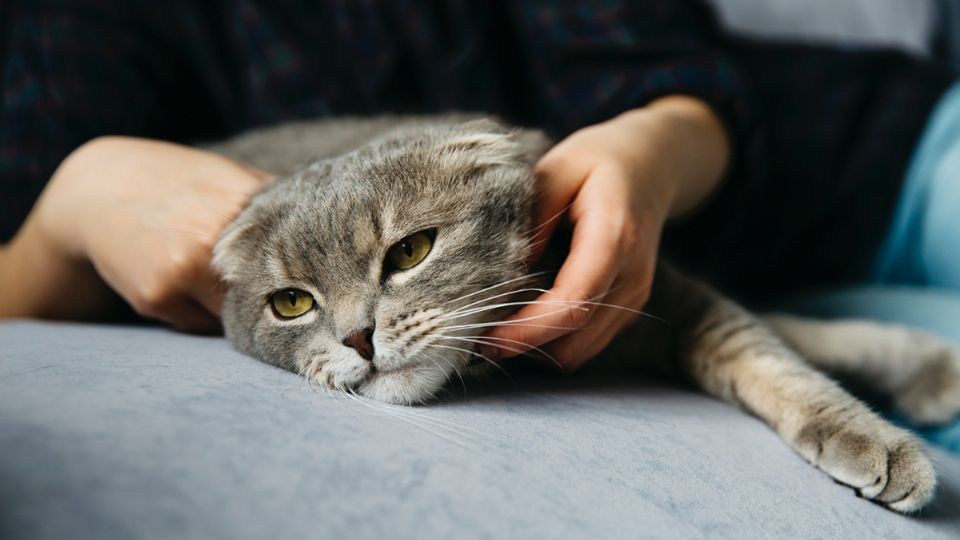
375	271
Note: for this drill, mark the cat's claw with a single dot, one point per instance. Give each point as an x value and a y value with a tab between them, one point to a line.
882	463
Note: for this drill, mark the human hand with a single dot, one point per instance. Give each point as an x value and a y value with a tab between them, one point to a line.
619	182
146	215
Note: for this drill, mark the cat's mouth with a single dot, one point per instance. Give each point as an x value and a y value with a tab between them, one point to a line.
408	384
377	371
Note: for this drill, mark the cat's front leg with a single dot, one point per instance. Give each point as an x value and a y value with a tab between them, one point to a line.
731	354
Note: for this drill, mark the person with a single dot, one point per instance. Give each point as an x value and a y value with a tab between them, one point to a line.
768	168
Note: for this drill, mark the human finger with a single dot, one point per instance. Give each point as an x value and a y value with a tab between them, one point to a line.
586	275
620	309
185	314
558	181
207	290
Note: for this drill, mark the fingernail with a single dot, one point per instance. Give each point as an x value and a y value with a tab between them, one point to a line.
491	353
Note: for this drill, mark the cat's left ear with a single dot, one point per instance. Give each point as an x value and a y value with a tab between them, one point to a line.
491	143
533	144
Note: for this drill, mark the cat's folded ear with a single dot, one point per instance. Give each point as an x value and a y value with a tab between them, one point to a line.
490	143
241	242
226	261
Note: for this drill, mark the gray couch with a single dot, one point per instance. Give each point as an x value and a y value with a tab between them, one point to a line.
111	432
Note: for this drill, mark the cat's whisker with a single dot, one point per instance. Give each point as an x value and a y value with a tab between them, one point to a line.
406	419
376	408
177	231
229	218
530	248
304	380
487	340
575	303
501	284
510	323
473	353
501	295
432	357
309	372
439	423
514	322
502	305
307	378
445	426
552	218
533	246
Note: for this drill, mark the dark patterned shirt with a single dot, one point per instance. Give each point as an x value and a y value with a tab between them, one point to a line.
821	137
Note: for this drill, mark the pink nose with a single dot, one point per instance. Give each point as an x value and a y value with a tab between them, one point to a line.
362	342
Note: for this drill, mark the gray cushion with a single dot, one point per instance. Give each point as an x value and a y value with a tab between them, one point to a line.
109	432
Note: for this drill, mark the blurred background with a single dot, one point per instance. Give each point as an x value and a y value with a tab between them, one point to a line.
924	27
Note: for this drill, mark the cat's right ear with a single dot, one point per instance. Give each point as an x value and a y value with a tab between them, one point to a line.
226	257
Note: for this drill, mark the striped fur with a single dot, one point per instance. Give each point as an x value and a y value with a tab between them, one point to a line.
352	187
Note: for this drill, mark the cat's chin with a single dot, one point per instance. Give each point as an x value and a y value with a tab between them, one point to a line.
409	385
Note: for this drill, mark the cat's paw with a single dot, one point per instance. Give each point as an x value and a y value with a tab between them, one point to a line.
341	376
881	462
932	396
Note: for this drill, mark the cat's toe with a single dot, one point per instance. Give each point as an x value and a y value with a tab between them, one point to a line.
911	481
933	395
882	463
344	377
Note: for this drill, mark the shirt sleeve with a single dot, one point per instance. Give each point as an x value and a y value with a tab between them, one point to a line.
72	71
592	61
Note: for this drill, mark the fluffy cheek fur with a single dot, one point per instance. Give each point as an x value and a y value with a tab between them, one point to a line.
418	349
417	352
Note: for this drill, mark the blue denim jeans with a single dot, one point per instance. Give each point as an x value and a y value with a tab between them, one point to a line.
923	245
916	273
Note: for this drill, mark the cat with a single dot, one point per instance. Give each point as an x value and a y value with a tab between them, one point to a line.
387	246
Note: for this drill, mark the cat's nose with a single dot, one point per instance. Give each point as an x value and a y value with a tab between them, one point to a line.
362	342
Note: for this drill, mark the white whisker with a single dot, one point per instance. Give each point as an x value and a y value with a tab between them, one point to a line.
510	322
432	357
479	339
517	322
501	295
572	303
386	409
551	219
472	353
501	284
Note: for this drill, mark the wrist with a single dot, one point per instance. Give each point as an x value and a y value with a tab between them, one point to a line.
690	143
45	273
40	280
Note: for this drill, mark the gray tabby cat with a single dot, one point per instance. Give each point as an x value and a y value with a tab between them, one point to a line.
387	247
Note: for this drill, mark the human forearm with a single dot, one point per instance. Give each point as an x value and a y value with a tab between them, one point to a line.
134	216
37	280
692	144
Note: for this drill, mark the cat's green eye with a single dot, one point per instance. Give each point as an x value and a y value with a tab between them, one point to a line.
291	303
410	251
